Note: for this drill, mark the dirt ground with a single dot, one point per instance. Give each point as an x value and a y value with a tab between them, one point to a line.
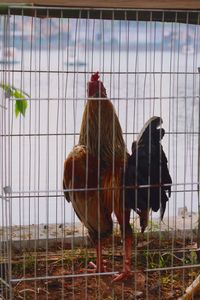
146	282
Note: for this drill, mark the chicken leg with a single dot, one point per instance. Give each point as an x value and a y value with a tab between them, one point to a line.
100	265
126	230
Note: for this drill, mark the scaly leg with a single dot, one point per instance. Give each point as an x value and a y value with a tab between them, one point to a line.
100	265
127	264
144	218
125	224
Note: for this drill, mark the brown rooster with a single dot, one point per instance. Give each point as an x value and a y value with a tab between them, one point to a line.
93	172
103	178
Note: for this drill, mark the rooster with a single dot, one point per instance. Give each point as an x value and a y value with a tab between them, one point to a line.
147	177
99	168
93	171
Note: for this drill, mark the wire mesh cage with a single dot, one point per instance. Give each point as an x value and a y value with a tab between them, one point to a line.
148	63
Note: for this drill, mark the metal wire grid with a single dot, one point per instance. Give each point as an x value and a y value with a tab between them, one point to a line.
142	79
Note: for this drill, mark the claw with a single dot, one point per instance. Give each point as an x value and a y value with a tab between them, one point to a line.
94	268
92	265
126	274
122	276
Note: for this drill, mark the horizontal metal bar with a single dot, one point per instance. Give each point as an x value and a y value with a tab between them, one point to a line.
99	188
141	186
105	12
62	195
172	268
102	72
62	276
97	274
110	98
40	134
82	8
77	133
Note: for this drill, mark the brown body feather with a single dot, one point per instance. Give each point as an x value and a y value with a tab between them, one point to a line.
95	166
93	198
81	177
101	132
81	169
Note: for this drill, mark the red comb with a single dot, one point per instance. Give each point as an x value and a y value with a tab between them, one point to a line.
95	76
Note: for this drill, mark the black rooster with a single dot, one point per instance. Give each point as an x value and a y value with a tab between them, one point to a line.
147	177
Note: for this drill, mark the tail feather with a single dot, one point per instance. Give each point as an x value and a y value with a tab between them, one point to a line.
148	166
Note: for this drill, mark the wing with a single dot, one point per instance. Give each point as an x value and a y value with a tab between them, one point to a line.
81	178
80	170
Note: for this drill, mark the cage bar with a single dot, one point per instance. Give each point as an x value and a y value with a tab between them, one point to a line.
147	54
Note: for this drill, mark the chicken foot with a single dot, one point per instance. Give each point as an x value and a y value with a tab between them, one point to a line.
100	265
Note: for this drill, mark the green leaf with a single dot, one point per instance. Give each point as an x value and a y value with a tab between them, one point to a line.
20	107
20	96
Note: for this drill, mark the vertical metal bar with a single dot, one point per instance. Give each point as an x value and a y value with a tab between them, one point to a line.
31	157
135	129
99	156
22	153
161	94
198	231
86	181
118	91
8	204
145	71
38	85
2	165
65	84
193	121
57	138
2	112
11	111
170	117
177	139
61	78
185	138
112	65
33	89
149	148
49	21
171	125
127	40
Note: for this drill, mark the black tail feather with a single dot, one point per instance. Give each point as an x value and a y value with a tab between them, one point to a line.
148	166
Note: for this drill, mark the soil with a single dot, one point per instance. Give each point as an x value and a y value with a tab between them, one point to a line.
146	282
